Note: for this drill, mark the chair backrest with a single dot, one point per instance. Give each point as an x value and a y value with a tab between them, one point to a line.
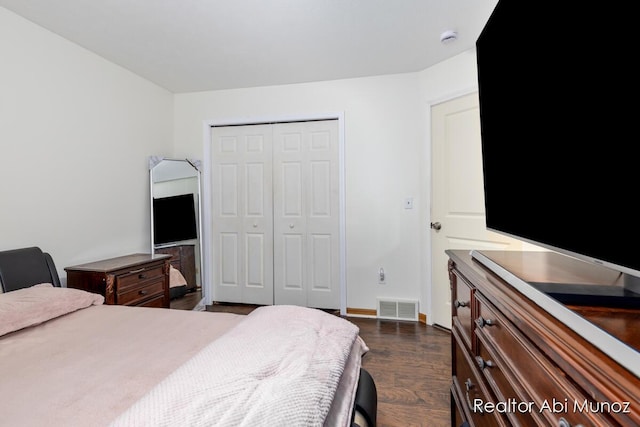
21	268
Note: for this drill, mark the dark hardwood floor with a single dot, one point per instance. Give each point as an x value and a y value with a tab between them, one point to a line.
187	302
410	363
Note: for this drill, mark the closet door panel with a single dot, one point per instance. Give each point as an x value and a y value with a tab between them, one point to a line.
321	190
255	198
320	252
254	257
291	185
306	205
242	206
228	200
290	271
289	222
323	224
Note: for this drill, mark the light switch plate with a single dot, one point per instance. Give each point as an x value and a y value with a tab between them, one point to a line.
408	203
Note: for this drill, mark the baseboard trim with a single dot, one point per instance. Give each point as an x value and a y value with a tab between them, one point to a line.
361	312
422	318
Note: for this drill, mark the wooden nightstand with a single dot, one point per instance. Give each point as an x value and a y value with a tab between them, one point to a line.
136	280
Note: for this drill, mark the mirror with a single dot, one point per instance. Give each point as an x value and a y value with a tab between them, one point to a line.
176	226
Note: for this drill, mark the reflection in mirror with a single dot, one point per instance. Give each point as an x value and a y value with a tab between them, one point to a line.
175	221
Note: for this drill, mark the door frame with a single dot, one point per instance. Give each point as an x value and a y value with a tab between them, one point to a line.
208	125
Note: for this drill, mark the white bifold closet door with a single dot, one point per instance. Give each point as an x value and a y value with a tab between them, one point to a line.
242	158
275	218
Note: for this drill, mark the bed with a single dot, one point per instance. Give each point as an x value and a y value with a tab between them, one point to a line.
68	359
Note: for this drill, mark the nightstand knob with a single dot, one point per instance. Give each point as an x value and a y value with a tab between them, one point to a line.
459	304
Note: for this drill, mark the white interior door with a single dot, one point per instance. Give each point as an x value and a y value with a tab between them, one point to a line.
306	214
457	204
242	214
276	213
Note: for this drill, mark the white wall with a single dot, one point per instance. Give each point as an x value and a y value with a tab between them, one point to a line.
75	134
383	145
387	159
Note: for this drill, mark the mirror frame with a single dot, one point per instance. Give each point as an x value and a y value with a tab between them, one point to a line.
154	161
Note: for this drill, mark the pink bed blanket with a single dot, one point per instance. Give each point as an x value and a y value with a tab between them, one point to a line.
64	365
281	366
68	360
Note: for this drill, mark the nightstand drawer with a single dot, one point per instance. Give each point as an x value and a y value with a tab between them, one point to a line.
136	294
135	277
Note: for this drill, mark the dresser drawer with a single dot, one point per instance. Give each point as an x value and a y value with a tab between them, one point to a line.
471	392
522	373
520	410
462	308
138	275
156	302
136	293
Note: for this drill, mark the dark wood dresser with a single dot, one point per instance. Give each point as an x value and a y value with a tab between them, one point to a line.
135	280
516	364
183	258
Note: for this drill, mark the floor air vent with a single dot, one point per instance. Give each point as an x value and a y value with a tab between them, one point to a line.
398	309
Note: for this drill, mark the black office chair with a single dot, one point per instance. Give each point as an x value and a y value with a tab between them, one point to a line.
21	268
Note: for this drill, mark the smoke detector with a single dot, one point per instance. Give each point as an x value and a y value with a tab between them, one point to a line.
448	36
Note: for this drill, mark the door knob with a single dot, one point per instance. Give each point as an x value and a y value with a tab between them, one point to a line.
436	226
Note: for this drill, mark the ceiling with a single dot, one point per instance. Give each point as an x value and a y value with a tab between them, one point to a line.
198	45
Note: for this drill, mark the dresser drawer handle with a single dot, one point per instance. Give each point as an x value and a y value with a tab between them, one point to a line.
142	276
564	423
140	270
469	385
482	322
484	363
143	292
459	304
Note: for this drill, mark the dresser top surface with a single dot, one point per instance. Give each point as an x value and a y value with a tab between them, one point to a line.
118	263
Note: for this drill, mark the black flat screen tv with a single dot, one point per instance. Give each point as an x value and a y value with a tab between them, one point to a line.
557	89
174	219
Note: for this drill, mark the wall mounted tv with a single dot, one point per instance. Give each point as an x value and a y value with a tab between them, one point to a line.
558	136
174	219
